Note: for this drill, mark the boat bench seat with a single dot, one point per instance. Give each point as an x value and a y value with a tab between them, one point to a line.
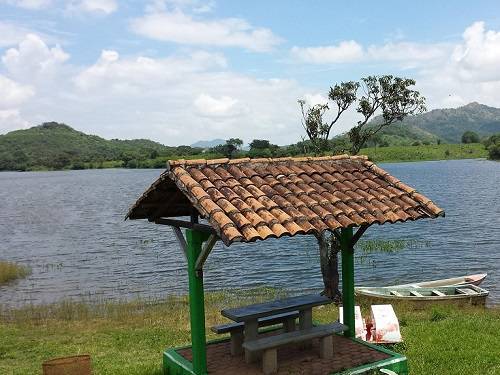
396	293
269	344
438	293
466	291
415	293
236	329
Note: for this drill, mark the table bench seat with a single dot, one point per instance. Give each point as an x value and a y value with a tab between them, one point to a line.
268	345
236	329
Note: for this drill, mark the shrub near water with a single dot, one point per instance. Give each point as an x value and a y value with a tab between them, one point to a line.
11	271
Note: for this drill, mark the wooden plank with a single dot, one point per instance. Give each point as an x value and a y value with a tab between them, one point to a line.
181	240
185	224
415	293
294	337
263	322
205	251
438	293
467	291
362	229
240	314
396	293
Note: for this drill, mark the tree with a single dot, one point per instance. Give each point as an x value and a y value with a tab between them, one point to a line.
229	148
259	144
392	98
317	128
470	137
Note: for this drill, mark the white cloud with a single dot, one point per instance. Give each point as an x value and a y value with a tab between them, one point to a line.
29	4
178	27
469	73
11	33
93	6
12	93
408	52
225	106
140	72
33	59
345	51
478	57
10	119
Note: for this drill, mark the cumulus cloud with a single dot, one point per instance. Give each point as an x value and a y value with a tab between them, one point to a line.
178	27
33	59
478	57
10	119
12	33
345	51
12	94
409	52
225	106
93	6
350	51
137	73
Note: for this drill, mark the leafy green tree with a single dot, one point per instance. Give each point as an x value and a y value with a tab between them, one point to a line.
390	97
313	118
470	137
259	144
492	144
228	149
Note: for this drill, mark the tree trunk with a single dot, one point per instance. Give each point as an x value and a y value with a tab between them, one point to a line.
328	251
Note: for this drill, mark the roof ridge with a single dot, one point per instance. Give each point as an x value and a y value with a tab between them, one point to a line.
193	162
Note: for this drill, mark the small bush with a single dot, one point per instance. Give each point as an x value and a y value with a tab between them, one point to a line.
10	271
437	315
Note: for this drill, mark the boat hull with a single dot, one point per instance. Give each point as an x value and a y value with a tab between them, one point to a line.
462	280
421	297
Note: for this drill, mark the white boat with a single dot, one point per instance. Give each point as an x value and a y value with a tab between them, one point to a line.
462	280
466	293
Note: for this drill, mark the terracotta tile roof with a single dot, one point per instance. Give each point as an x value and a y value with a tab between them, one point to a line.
254	199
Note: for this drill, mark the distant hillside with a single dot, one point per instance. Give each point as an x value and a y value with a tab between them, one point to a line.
446	124
209	144
58	146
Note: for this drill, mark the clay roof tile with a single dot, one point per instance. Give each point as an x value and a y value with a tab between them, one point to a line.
250	199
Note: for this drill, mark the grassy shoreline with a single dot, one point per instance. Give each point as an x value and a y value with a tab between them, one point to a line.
396	154
129	337
390	154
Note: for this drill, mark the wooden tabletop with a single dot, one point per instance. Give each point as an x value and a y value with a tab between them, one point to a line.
259	310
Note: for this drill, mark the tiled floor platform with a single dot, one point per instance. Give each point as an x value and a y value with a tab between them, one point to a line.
348	354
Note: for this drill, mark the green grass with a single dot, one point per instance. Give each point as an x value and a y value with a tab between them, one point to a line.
425	152
129	338
10	271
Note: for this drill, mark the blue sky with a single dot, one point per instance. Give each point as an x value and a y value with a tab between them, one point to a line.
184	70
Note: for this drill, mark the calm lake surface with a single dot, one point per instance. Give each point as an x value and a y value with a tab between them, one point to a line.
69	228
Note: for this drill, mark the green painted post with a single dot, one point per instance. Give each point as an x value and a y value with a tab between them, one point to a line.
347	281
194	241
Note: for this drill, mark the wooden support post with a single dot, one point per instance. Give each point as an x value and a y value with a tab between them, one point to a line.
348	281
180	239
205	251
196	302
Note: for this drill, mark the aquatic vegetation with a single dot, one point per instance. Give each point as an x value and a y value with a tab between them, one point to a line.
11	271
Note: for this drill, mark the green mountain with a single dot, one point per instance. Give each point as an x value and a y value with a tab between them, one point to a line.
447	124
57	146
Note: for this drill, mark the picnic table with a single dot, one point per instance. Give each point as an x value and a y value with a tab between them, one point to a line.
250	315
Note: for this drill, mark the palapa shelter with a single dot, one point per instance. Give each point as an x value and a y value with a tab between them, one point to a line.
245	200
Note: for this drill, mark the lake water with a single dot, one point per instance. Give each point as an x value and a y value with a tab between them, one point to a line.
69	228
